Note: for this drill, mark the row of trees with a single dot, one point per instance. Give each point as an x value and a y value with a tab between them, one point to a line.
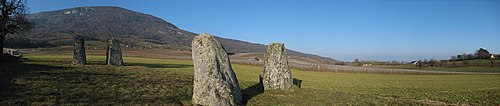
479	54
430	62
393	62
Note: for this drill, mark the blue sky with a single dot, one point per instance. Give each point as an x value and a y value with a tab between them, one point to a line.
340	29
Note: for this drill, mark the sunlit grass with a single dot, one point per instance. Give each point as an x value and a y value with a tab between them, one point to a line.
51	79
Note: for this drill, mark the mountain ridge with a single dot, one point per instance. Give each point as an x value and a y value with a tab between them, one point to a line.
57	27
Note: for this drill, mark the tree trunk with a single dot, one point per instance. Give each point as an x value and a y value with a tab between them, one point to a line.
107	54
492	63
2	38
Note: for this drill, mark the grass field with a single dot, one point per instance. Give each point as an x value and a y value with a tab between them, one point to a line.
50	79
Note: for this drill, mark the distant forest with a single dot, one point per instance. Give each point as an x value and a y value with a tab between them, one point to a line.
479	54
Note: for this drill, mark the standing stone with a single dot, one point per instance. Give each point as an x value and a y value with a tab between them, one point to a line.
114	53
215	83
276	74
79	50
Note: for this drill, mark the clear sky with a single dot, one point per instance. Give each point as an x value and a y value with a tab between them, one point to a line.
340	29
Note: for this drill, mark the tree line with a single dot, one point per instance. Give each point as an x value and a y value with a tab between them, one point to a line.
479	54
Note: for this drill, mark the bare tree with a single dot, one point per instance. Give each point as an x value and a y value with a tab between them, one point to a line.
432	62
357	62
463	57
425	61
419	63
394	62
13	18
482	53
453	58
471	57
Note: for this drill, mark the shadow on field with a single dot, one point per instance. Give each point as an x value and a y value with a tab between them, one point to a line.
252	91
22	83
78	74
12	71
152	65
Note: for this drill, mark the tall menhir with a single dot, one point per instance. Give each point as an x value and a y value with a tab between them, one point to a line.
215	83
114	53
79	56
276	74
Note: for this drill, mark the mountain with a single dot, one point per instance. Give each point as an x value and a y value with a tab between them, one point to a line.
132	28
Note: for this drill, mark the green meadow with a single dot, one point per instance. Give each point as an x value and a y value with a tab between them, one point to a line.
52	80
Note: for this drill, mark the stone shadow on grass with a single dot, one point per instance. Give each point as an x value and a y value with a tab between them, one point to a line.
252	91
258	88
297	82
154	65
10	71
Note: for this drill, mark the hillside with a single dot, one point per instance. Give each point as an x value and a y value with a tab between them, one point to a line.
55	28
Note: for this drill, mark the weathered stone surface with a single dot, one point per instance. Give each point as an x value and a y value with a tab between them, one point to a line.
215	83
114	53
79	56
276	74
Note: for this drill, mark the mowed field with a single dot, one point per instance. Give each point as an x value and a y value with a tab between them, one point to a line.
51	79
